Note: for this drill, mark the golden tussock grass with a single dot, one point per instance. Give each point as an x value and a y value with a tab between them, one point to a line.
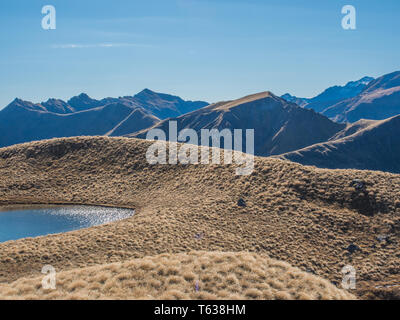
252	276
302	215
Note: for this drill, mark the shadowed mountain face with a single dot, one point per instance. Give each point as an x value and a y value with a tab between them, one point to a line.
83	102
165	106
366	144
23	121
331	95
379	100
278	126
58	106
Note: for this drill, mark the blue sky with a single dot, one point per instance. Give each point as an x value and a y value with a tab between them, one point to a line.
209	50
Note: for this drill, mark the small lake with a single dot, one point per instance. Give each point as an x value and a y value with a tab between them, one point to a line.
33	221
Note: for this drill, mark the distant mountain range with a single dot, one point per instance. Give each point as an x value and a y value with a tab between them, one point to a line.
379	100
367	98
351	126
331	95
23	121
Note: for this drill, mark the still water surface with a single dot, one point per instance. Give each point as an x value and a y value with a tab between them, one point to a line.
23	222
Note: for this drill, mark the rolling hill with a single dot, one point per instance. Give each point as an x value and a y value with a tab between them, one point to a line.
200	275
310	218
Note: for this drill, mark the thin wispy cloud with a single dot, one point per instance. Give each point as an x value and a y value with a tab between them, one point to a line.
144	19
99	45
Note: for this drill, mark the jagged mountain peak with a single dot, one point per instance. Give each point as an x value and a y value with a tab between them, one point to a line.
387	81
363	81
150	94
377	101
146	91
19	101
21	104
333	95
83	102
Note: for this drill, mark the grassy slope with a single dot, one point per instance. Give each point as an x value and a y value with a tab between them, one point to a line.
194	275
302	215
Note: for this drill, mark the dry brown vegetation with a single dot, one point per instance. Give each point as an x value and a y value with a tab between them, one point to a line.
302	215
194	275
